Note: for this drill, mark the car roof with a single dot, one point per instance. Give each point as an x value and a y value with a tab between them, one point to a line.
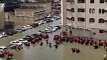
2	47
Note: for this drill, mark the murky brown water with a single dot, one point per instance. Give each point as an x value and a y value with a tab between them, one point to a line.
36	52
87	52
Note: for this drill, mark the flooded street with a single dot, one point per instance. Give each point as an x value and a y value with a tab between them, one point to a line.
36	52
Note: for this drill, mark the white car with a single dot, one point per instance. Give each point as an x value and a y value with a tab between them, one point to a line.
53	19
2	48
54	29
15	42
24	28
1	35
22	40
48	16
29	27
48	30
41	22
18	30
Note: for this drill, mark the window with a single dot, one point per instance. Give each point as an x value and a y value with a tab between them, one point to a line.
70	0
103	10
101	31
81	10
72	9
99	10
81	19
91	10
70	32
92	20
91	1
81	1
101	1
68	18
101	20
72	18
68	9
94	33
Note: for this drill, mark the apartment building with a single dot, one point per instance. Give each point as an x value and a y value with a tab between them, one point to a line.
2	16
86	18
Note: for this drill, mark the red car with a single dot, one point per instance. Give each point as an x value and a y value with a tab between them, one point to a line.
2	54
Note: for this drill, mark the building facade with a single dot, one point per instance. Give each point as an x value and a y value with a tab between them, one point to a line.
86	18
28	13
2	16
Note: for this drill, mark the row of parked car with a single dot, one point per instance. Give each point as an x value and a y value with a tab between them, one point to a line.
40	33
29	39
47	19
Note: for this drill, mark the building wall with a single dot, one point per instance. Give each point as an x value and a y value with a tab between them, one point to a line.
86	28
27	16
63	13
2	16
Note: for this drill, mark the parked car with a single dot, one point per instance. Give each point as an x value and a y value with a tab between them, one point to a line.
54	29
34	25
56	17
47	30
16	42
2	48
53	19
1	36
48	16
18	30
10	32
22	40
58	27
28	38
11	46
4	34
29	27
24	28
41	22
49	20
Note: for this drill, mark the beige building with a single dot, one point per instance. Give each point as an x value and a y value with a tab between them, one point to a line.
29	13
2	16
86	18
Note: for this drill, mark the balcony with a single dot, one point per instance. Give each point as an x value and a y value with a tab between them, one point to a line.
72	18
71	10
71	1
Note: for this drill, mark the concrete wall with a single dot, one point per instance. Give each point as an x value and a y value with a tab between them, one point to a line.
63	13
2	16
27	16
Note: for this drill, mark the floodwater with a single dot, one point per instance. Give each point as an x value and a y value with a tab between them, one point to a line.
37	52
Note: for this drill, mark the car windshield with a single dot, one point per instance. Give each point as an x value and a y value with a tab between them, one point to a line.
17	42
